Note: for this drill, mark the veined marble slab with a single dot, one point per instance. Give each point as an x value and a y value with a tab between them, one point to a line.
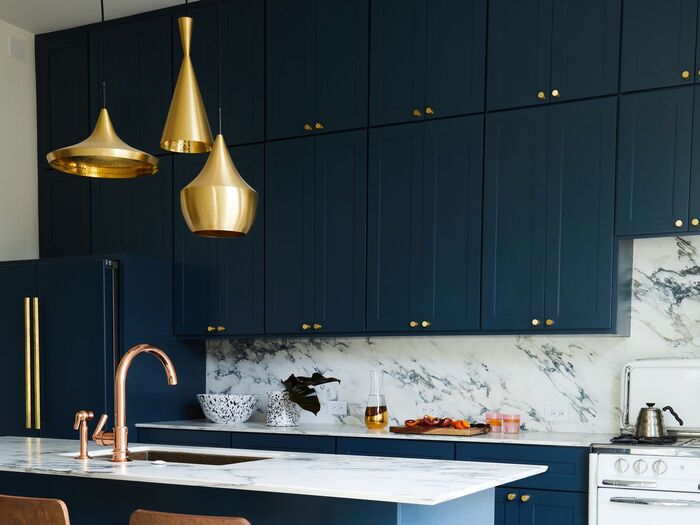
555	439
394	480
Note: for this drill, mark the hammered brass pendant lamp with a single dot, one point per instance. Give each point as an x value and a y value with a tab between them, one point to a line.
218	202
103	154
187	127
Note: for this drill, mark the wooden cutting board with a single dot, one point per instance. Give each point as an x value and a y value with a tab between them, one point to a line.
440	431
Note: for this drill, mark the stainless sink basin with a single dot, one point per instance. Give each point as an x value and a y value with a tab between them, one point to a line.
197	458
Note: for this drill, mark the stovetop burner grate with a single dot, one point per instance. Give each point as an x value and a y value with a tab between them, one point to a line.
631	440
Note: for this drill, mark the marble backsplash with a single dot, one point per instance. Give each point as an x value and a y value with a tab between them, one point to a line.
464	376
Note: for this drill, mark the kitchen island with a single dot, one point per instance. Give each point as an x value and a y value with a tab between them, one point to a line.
275	488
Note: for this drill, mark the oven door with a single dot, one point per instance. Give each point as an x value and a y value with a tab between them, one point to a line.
647	507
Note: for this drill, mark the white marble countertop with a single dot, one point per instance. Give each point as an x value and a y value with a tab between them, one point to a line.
395	480
559	439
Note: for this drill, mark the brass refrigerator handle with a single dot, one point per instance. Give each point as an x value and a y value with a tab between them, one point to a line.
37	369
27	364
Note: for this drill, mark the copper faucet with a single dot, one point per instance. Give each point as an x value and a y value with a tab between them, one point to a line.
119	435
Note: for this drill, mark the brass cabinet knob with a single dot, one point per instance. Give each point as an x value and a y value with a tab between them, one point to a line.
541	95
305	326
511	496
307	127
555	92
535	322
425	324
549	322
318	125
429	111
685	74
678	223
695	222
210	328
417	113
525	498
317	326
220	328
413	324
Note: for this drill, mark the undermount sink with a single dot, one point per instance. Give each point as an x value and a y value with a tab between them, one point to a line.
164	457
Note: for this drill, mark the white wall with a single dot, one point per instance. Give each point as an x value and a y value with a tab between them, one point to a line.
19	223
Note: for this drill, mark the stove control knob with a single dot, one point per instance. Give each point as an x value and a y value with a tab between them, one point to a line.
621	465
640	466
659	467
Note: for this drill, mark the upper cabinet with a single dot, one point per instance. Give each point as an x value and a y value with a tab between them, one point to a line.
427	59
548	218
658	44
243	61
424	240
316	66
315	234
134	58
544	51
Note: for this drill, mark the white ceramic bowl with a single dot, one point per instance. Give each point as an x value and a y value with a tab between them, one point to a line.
228	408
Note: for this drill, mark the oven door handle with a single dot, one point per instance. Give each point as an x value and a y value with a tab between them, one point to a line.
657	502
622	483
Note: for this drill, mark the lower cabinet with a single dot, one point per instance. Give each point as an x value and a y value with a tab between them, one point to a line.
396	448
540	507
196	438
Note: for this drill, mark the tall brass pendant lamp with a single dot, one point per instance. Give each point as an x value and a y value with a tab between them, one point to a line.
103	154
218	202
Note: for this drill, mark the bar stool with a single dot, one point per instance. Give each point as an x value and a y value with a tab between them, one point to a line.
15	510
147	517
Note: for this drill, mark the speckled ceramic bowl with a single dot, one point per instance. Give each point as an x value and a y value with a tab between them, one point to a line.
228	408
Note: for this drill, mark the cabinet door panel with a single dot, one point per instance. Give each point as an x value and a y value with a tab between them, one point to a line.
451	232
289	235
291	67
397	62
17	281
580	214
550	508
694	204
342	63
456	56
514	219
340	239
393	239
399	448
585	48
658	43
519	52
507	510
653	169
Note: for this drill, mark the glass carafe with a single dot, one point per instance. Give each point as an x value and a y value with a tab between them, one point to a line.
376	413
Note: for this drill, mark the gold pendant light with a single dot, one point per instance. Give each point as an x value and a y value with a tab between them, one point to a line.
218	202
103	154
187	127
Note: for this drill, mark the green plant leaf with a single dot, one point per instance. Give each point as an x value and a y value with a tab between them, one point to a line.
301	390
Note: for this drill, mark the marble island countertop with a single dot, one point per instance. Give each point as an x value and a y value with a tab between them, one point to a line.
395	480
560	439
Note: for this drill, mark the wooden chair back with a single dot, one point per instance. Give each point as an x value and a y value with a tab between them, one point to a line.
147	517
15	510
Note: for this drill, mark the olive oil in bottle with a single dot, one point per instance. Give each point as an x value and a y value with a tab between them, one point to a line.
376	412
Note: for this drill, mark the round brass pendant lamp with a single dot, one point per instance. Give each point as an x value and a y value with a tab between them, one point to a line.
103	154
218	202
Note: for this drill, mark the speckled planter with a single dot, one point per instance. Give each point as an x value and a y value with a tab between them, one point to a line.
281	412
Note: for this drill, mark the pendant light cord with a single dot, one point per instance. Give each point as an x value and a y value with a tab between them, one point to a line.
102	54
186	6
220	68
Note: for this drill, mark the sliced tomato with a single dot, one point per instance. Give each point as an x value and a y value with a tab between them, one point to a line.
446	422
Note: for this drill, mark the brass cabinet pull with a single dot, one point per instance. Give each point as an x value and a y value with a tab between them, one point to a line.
210	329
678	223
555	92
317	326
37	365
429	111
535	322
318	125
307	127
413	324
425	324
685	74
541	95
305	326
549	322
695	222
220	328
511	496
417	113
27	364
525	498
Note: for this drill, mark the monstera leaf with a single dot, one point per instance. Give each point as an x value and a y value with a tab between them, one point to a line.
301	390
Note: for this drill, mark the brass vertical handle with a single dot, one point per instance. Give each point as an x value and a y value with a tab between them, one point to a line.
27	364
37	365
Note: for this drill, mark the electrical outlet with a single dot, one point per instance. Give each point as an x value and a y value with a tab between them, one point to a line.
556	413
337	408
427	409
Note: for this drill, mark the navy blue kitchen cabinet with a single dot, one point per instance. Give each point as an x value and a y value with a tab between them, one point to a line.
317	66
693	222
395	448
315	234
188	438
219	286
541	507
654	161
427	59
286	443
424	239
539	196
134	215
542	51
658	44
506	511
243	71
137	69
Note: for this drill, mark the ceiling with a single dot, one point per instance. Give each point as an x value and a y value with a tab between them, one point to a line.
42	16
